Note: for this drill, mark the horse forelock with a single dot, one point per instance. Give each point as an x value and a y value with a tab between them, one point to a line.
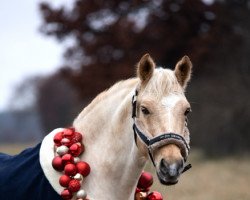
162	83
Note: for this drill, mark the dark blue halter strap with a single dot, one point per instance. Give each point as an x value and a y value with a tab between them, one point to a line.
164	136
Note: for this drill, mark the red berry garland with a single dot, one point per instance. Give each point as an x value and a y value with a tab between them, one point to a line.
70	169
145	181
58	138
66	194
57	163
143	187
83	168
74	185
68	144
76	149
77	137
155	196
67	159
64	180
68	133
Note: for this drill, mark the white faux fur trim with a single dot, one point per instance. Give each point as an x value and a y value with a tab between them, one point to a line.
47	153
46	156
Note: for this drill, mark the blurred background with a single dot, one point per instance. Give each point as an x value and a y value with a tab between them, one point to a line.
58	55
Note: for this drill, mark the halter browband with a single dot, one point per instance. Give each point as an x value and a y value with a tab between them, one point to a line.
161	140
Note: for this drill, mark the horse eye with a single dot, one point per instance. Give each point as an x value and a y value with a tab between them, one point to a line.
145	111
187	111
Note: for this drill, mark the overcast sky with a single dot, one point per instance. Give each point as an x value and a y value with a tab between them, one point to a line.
23	50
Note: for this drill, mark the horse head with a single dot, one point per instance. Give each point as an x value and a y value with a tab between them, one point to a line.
160	116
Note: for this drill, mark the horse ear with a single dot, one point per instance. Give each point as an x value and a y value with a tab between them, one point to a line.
145	68
183	71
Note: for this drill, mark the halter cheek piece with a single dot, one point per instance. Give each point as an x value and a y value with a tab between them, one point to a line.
161	140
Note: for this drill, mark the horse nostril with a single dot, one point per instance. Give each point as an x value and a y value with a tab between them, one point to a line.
164	166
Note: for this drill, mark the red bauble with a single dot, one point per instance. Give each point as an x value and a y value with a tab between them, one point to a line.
67	158
57	163
75	149
145	180
68	133
58	138
74	185
70	170
77	137
83	168
64	180
66	194
154	196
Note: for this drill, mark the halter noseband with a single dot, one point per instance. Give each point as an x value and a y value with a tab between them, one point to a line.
161	140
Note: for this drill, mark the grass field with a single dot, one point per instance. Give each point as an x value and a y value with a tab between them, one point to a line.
209	179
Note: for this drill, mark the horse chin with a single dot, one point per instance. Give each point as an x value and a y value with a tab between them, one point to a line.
167	181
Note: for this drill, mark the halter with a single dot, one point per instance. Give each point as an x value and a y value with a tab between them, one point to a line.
161	140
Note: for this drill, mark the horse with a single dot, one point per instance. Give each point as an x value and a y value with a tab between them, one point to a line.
133	121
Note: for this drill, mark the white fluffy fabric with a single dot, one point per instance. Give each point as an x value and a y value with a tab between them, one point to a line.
47	153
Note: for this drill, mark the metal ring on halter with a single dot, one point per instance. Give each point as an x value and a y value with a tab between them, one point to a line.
161	140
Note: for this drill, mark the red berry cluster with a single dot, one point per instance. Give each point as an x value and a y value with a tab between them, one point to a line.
68	144
143	187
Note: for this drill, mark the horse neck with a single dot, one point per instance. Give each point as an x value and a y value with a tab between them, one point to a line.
115	161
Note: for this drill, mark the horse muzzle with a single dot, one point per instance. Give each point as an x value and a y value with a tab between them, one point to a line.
168	173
